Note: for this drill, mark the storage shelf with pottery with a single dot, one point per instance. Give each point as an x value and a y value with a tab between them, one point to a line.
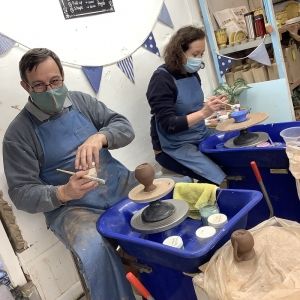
245	45
272	96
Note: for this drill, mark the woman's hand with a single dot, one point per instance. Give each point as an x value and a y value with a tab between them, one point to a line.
88	152
76	187
213	103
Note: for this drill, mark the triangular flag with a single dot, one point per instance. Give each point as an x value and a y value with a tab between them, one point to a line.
126	65
260	55
5	44
224	64
150	44
93	74
164	16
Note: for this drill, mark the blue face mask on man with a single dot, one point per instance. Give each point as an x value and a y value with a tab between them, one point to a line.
51	101
193	64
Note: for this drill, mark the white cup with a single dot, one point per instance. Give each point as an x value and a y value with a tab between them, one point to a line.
217	220
205	232
174	241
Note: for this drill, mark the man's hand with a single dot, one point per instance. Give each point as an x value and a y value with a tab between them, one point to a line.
88	152
76	188
214	103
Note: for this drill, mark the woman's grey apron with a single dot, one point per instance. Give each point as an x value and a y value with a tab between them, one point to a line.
75	222
183	146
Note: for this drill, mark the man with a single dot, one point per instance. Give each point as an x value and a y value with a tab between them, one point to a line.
58	128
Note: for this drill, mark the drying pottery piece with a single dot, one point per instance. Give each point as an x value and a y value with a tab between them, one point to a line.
93	171
150	189
242	242
240	116
144	173
221	37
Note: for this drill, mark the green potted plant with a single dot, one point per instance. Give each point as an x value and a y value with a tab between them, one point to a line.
232	91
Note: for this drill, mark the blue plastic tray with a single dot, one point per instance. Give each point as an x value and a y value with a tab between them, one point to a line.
115	224
273	156
272	163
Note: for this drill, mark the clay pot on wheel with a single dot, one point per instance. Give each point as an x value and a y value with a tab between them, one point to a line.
144	173
242	242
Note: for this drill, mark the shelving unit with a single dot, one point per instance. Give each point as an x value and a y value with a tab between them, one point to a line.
245	45
272	96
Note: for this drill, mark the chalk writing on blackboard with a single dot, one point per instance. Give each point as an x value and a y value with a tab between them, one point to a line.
82	8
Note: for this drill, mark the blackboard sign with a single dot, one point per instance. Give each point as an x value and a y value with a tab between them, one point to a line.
82	8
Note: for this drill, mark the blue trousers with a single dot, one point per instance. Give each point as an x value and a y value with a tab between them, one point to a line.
98	262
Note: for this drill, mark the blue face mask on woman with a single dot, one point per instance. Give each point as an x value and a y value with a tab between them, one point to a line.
193	64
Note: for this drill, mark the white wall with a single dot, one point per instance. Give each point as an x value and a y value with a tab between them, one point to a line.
46	260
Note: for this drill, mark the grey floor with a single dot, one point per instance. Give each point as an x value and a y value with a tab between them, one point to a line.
136	297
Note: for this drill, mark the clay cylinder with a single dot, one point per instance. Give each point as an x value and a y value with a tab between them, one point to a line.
144	173
242	242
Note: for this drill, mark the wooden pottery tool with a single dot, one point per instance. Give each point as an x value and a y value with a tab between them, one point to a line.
99	180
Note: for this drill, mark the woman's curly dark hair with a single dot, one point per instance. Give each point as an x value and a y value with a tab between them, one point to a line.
178	44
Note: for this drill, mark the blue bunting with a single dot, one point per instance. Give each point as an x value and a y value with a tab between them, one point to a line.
5	44
164	16
126	65
224	64
150	44
93	75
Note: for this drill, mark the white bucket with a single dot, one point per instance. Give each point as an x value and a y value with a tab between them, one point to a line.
291	136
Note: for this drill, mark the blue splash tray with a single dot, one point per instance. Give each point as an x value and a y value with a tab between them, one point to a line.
148	248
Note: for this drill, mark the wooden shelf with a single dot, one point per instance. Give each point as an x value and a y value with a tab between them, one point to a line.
285	28
279	1
244	46
295	84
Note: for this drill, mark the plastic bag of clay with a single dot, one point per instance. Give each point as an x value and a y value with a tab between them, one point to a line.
273	273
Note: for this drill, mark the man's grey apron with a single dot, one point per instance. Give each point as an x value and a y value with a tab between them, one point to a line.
183	146
75	222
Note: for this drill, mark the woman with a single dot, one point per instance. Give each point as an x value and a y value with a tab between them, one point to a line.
179	111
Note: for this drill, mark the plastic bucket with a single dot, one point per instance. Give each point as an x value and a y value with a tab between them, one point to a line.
291	135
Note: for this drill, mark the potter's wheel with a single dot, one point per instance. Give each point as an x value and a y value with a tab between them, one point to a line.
179	213
245	138
159	215
163	187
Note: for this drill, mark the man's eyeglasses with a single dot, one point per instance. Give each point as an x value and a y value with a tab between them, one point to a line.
42	87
